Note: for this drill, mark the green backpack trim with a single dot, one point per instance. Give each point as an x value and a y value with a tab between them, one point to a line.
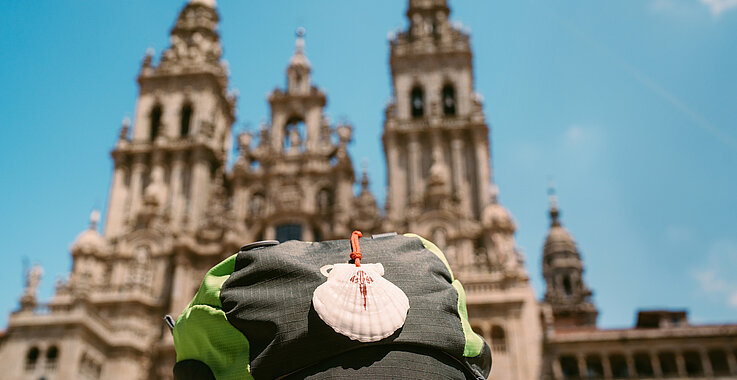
430	246
474	343
203	333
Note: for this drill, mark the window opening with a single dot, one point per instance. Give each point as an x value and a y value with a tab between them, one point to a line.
155	122
417	102
287	232
186	120
449	100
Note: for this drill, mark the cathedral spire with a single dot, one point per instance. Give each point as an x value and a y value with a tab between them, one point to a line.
566	292
195	43
94	219
298	72
554	212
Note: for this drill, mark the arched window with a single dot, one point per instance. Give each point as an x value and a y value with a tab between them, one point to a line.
258	203
449	100
594	368
643	364
668	364
52	354
719	362
186	120
618	364
417	102
155	122
324	200
567	288
693	363
32	358
498	339
569	367
286	232
294	134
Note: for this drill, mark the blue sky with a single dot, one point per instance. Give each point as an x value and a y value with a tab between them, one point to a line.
629	106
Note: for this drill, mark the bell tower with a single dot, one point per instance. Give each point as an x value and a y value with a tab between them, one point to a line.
180	131
565	290
296	181
436	143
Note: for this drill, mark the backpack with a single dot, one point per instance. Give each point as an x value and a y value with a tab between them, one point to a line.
259	314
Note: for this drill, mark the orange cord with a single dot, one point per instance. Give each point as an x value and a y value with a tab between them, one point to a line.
355	248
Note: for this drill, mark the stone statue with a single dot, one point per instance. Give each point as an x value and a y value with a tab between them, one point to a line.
33	279
439	174
257	205
294	139
244	142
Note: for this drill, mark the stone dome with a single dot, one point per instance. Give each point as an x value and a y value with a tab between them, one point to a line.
90	241
559	240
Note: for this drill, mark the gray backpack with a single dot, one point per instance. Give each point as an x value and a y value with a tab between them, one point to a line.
254	315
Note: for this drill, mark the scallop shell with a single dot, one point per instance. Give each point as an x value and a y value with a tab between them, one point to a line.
359	303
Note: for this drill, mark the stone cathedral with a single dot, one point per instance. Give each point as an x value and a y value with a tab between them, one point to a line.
176	208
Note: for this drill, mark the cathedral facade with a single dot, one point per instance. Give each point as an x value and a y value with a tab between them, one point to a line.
176	209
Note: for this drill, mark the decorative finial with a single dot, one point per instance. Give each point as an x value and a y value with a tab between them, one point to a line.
554	212
148	57
33	279
125	125
493	193
94	219
300	43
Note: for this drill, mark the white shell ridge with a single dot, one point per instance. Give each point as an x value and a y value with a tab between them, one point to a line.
359	303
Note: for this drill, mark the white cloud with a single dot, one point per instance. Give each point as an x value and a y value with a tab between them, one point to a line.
733	300
716	278
709	281
681	8
580	136
718	6
689	7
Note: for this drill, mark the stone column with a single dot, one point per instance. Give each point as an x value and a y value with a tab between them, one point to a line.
397	178
136	188
415	168
655	362
732	361
200	185
705	363
307	232
240	200
557	371
312	129
681	364
581	365
176	193
459	170
482	166
116	204
631	371
269	232
179	285
607	366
